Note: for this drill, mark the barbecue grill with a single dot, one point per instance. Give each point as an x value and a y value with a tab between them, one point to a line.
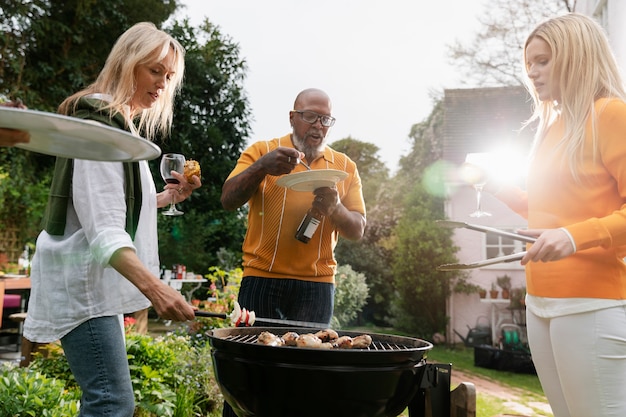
383	380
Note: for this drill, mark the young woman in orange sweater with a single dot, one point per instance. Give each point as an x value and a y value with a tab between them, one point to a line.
576	208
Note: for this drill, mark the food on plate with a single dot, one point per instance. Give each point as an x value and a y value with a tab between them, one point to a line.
192	168
270	339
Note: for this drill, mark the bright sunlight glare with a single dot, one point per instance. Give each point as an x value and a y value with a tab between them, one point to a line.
505	165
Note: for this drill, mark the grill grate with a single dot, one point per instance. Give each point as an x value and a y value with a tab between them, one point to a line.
375	346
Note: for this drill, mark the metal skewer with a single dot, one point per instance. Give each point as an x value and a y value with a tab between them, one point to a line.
300	161
284	322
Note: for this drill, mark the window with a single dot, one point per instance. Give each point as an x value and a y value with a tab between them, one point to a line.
500	245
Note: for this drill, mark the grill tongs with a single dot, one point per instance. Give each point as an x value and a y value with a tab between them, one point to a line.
499	259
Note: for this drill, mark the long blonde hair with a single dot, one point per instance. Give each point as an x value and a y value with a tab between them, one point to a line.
585	69
142	44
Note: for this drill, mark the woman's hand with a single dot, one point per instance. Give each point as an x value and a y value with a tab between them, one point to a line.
179	192
551	245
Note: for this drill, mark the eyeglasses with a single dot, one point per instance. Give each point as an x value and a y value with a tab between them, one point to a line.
311	117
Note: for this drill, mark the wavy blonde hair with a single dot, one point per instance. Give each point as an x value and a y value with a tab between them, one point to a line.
142	44
585	69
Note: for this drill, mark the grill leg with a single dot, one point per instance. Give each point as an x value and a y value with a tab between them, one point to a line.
433	397
463	400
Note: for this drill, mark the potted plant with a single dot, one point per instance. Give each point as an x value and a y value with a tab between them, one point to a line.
493	293
482	293
504	282
517	297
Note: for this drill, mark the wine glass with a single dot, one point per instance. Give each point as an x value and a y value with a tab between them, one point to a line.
475	174
172	162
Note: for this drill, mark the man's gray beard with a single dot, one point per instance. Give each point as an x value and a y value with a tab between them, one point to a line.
311	153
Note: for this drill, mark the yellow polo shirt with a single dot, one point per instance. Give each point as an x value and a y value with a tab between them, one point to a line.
270	248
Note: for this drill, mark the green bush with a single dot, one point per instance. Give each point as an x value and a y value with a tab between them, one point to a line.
171	375
24	392
351	292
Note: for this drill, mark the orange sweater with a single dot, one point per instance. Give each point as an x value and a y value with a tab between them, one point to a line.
593	210
270	248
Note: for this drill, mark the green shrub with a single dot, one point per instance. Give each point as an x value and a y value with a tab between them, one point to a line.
351	294
54	365
24	392
171	375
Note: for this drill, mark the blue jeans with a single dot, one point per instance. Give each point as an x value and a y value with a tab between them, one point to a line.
96	353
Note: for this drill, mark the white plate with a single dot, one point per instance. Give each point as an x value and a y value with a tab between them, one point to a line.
311	180
70	137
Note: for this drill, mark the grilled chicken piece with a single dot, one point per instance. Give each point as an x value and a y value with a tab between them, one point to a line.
327	335
344	342
290	338
308	341
362	342
270	339
326	345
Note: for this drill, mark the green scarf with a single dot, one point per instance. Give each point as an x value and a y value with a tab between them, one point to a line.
56	211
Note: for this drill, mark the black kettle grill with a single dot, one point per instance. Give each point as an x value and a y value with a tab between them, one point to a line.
268	381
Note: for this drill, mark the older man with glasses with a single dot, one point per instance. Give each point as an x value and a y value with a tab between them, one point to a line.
284	277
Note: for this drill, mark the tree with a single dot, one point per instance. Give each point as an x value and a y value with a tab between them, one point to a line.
210	126
418	245
66	43
419	305
494	57
367	256
372	170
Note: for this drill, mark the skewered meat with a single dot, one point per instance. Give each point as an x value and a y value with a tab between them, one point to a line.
290	338
344	342
308	341
327	335
362	342
270	339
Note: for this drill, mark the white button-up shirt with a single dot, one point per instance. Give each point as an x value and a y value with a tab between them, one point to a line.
71	278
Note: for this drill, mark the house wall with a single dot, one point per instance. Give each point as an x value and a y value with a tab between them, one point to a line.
480	120
465	311
610	14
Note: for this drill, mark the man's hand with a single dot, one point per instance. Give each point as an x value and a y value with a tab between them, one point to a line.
280	161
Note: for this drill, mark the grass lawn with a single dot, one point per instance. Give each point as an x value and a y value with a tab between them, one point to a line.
462	360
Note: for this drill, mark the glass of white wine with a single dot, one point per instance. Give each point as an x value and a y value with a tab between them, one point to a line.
475	174
172	162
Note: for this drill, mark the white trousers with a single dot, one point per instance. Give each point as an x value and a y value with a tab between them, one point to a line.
581	362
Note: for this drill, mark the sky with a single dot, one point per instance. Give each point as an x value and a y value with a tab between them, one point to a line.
379	61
